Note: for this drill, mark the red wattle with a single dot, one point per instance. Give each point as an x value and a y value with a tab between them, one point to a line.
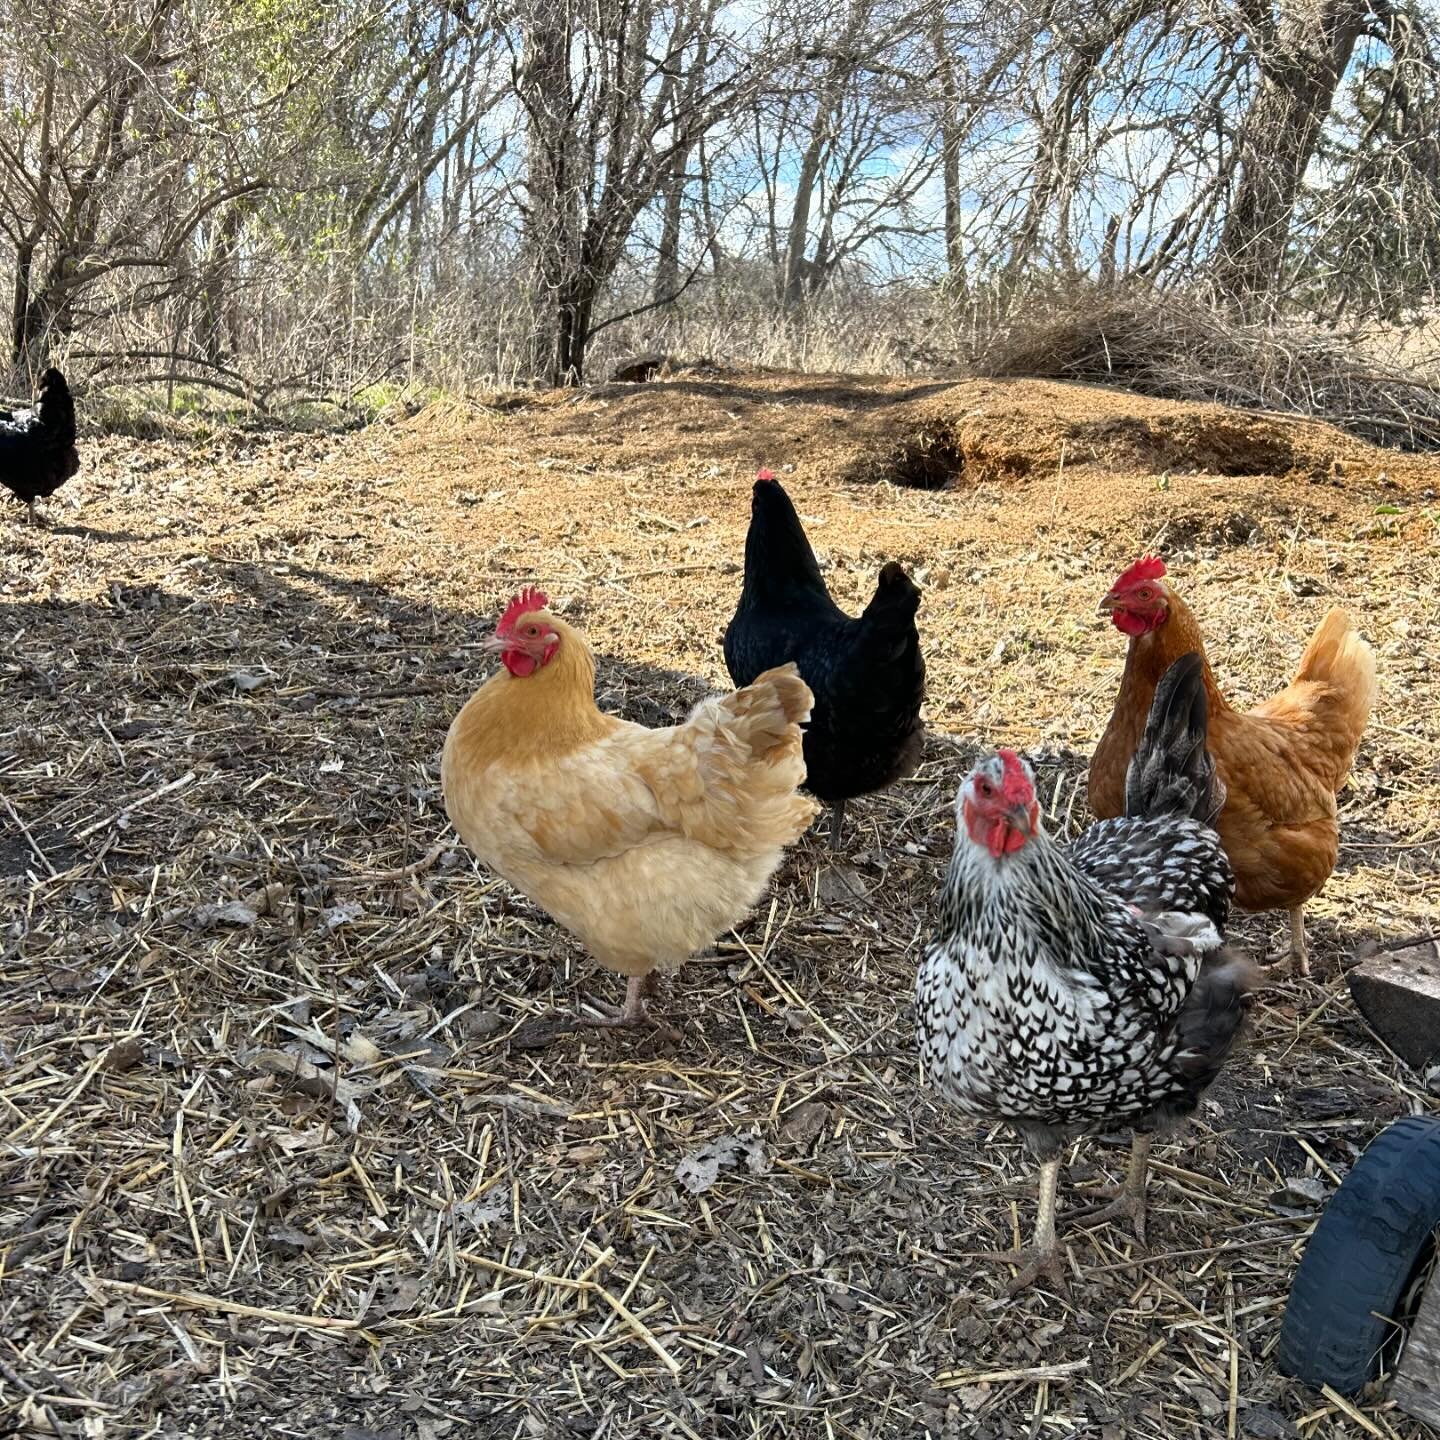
1130	622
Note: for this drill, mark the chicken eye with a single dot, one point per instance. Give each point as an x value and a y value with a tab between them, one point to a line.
1143	593
986	788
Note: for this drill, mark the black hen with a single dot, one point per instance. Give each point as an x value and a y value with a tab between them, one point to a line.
867	674
1087	988
37	447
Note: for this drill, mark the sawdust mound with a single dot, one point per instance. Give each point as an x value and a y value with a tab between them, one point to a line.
1212	441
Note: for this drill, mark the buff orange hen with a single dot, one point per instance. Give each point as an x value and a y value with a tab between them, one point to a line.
647	845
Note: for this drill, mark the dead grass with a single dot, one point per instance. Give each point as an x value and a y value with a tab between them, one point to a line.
1183	348
274	1163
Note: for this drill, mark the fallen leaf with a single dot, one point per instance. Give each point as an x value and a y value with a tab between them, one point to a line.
231	912
244	680
125	1055
359	1050
699	1169
345	913
804	1122
491	1208
308	1079
1302	1190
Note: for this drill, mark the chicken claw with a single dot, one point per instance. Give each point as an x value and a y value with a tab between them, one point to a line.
1128	1199
1126	1205
635	1012
1035	1264
1044	1259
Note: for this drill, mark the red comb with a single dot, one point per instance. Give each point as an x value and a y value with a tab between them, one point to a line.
1147	567
1015	788
530	598
764	474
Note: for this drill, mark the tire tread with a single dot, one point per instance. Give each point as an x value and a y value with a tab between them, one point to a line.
1363	1251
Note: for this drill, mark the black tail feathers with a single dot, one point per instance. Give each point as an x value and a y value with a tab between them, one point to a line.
56	407
1171	772
1212	1019
896	595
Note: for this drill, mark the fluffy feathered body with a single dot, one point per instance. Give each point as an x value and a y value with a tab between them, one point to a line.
1280	764
866	672
37	447
646	844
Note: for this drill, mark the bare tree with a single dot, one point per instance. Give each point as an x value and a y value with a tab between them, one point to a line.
1304	51
616	94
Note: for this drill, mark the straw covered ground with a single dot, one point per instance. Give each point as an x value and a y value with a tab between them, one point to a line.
279	1155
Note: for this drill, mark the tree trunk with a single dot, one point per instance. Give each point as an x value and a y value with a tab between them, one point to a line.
573	313
667	262
797	269
27	327
950	161
22	316
215	320
550	241
707	215
1301	70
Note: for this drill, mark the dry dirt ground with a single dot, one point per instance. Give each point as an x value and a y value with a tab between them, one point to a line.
274	1162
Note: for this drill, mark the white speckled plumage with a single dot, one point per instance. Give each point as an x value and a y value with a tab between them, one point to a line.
1086	987
1045	998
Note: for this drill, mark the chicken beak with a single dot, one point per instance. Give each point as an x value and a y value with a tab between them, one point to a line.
1018	818
1110	604
494	644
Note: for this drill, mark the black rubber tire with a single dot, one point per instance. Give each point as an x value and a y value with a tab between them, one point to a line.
1373	1235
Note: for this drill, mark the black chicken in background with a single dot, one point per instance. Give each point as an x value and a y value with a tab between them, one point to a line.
867	674
37	447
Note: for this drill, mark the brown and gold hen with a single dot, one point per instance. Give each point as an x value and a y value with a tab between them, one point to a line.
645	844
1280	763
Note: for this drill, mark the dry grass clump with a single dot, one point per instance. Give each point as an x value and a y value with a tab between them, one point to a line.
1181	347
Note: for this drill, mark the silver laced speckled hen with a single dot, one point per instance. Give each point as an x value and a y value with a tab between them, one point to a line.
1084	988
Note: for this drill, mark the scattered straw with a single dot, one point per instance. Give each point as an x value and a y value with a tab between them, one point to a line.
411	1222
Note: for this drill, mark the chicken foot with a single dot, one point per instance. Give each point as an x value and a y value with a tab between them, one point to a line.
1044	1260
634	1012
1129	1197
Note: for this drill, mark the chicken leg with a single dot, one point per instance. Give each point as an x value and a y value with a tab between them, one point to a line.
837	823
634	1012
1044	1259
1129	1201
1299	956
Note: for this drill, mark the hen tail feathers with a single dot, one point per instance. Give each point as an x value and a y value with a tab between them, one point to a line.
752	765
764	717
1213	1016
56	407
1171	772
1339	661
